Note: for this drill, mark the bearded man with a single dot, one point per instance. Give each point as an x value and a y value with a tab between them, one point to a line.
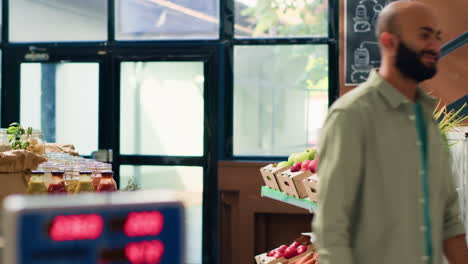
386	191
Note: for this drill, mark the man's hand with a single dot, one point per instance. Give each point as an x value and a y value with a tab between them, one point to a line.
309	258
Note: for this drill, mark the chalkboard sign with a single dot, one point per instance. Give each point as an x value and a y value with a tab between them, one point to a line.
361	46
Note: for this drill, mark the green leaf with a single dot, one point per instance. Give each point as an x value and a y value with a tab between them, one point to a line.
15	124
16	145
11	138
12	130
25	145
29	131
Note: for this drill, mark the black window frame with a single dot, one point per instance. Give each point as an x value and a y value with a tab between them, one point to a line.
228	36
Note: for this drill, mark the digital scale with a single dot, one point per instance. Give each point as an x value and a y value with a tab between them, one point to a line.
144	227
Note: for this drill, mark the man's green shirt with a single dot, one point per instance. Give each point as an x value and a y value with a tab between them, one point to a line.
371	196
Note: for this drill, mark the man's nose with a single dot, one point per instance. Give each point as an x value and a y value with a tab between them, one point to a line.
435	46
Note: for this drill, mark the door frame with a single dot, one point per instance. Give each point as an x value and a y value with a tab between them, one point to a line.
109	58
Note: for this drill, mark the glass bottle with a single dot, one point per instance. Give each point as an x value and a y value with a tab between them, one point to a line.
85	183
36	184
4	144
48	168
36	142
71	180
57	185
107	183
95	168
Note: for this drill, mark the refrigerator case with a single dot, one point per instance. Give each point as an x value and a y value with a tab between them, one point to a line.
458	139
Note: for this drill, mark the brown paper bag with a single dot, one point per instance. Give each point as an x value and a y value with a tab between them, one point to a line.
57	147
15	170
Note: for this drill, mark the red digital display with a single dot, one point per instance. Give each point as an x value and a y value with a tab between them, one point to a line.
76	227
144	224
146	252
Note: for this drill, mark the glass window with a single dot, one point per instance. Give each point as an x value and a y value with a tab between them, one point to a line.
167	19
58	20
281	18
61	99
161	108
280	98
177	178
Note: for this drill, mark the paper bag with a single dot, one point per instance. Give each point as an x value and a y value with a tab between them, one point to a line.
15	170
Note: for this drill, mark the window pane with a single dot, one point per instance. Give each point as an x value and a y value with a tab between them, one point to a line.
62	100
280	98
281	18
58	20
161	108
167	19
177	178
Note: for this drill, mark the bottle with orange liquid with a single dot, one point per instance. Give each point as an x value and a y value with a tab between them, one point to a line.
107	183
36	184
57	185
96	176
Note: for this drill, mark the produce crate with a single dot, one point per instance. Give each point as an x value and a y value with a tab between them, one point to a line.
291	183
311	187
265	259
269	175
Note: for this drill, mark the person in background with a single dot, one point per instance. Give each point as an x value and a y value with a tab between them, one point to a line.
386	190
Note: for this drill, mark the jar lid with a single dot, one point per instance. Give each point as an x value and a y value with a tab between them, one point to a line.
107	173
86	172
37	172
57	172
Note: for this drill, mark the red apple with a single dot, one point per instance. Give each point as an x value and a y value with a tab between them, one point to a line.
282	248
278	255
313	166
271	253
305	164
294	244
296	166
301	249
290	252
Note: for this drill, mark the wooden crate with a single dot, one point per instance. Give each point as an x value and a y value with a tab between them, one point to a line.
269	173
264	259
311	185
291	183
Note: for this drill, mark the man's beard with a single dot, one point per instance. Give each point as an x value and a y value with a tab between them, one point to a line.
409	63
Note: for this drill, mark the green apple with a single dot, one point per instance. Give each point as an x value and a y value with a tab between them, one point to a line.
291	158
312	152
300	157
283	164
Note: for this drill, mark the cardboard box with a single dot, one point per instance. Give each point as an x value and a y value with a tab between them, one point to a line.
264	259
291	183
311	187
269	174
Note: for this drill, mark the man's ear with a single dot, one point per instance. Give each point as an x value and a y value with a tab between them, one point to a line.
388	41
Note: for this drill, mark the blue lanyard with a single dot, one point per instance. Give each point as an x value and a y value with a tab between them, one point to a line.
424	179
